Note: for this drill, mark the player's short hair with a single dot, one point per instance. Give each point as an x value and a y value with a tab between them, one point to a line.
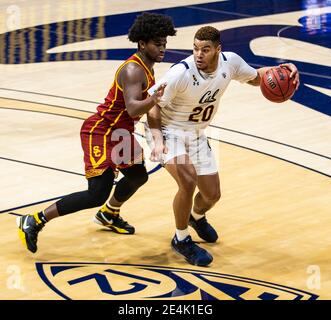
149	26
208	33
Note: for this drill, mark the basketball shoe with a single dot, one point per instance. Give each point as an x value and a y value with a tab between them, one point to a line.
191	252
204	230
113	221
28	228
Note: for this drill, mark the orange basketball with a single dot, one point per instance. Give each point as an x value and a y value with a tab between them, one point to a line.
276	84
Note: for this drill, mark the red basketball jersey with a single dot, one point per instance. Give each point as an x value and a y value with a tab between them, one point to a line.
99	135
114	109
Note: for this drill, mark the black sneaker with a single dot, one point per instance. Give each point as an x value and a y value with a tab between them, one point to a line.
203	229
114	223
28	229
191	252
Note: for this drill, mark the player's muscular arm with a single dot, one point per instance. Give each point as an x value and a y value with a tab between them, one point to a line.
133	80
260	72
154	123
294	74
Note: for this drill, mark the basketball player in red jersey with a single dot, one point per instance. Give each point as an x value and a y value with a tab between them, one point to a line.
107	136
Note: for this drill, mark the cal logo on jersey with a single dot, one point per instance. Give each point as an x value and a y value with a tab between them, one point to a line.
126	282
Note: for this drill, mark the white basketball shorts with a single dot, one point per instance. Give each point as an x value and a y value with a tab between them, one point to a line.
195	145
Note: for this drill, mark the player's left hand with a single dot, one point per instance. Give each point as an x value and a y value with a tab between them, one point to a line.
294	73
158	93
159	149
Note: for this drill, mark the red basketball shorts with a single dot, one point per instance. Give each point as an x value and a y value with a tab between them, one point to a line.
107	146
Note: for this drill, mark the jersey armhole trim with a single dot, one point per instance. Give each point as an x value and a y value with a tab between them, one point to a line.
120	68
182	62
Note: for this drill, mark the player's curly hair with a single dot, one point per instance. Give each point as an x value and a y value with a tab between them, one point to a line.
208	33
148	26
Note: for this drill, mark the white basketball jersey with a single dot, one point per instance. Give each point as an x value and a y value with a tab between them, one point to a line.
191	97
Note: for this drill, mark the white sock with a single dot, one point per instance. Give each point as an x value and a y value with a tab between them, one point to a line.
197	216
182	234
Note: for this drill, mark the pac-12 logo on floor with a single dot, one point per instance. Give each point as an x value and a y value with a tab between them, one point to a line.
71	280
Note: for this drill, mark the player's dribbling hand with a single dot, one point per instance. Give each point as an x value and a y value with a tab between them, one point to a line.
294	73
158	93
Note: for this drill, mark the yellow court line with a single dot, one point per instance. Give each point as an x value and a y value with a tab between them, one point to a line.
6	103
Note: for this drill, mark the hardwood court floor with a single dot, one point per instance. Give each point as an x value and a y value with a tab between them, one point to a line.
273	221
274	159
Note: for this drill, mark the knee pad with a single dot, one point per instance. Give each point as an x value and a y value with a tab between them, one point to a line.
140	179
99	188
99	195
136	175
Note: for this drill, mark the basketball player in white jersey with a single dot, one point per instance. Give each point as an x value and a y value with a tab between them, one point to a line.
193	90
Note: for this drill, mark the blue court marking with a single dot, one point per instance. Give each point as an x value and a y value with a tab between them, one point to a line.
29	45
202	274
103	27
235	39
